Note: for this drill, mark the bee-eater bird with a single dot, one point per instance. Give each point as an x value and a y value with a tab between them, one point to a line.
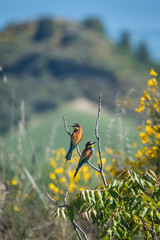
76	137
85	156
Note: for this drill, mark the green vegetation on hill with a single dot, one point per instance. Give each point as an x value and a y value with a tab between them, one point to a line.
69	60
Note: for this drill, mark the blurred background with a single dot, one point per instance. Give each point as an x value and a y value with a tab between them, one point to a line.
56	58
53	52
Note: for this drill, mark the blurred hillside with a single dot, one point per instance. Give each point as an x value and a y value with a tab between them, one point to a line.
49	62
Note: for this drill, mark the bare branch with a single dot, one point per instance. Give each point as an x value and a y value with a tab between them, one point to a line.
96	169
65	126
54	201
66	194
75	225
99	142
80	229
144	223
76	229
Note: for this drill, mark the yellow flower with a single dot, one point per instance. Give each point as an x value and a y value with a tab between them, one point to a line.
152	72
62	180
62	151
71	174
150	83
14	182
56	198
113	161
87	176
144	137
103	160
110	150
16	208
85	168
82	189
146	96
156	127
139	128
154	81
97	173
58	155
148	121
140	108
157	135
107	168
139	154
58	170
53	163
52	175
149	130
53	188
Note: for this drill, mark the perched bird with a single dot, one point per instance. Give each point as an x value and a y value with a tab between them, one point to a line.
85	156
76	137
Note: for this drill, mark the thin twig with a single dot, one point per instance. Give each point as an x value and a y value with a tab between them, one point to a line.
98	139
54	201
93	167
65	126
152	230
80	229
144	223
75	225
76	229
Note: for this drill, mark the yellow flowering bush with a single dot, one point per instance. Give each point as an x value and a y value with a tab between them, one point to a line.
148	156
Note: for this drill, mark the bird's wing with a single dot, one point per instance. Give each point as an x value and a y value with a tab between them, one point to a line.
85	156
75	138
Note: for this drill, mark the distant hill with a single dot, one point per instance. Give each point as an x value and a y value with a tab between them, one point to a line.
49	62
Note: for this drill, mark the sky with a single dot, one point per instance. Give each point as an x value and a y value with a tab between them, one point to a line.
141	18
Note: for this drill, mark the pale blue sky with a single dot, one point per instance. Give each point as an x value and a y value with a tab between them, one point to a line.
140	17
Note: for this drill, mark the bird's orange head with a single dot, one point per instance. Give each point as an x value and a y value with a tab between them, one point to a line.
75	126
90	144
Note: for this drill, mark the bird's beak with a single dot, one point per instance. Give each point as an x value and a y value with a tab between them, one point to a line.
94	142
71	125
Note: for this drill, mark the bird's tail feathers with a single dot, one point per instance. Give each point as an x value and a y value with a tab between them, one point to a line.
68	155
76	172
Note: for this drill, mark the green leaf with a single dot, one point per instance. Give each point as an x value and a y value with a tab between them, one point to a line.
113	193
98	197
138	209
113	204
145	210
70	211
136	203
83	196
92	196
158	214
104	232
62	211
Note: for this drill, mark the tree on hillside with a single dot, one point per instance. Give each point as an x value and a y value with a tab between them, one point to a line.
142	52
44	29
94	24
125	40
